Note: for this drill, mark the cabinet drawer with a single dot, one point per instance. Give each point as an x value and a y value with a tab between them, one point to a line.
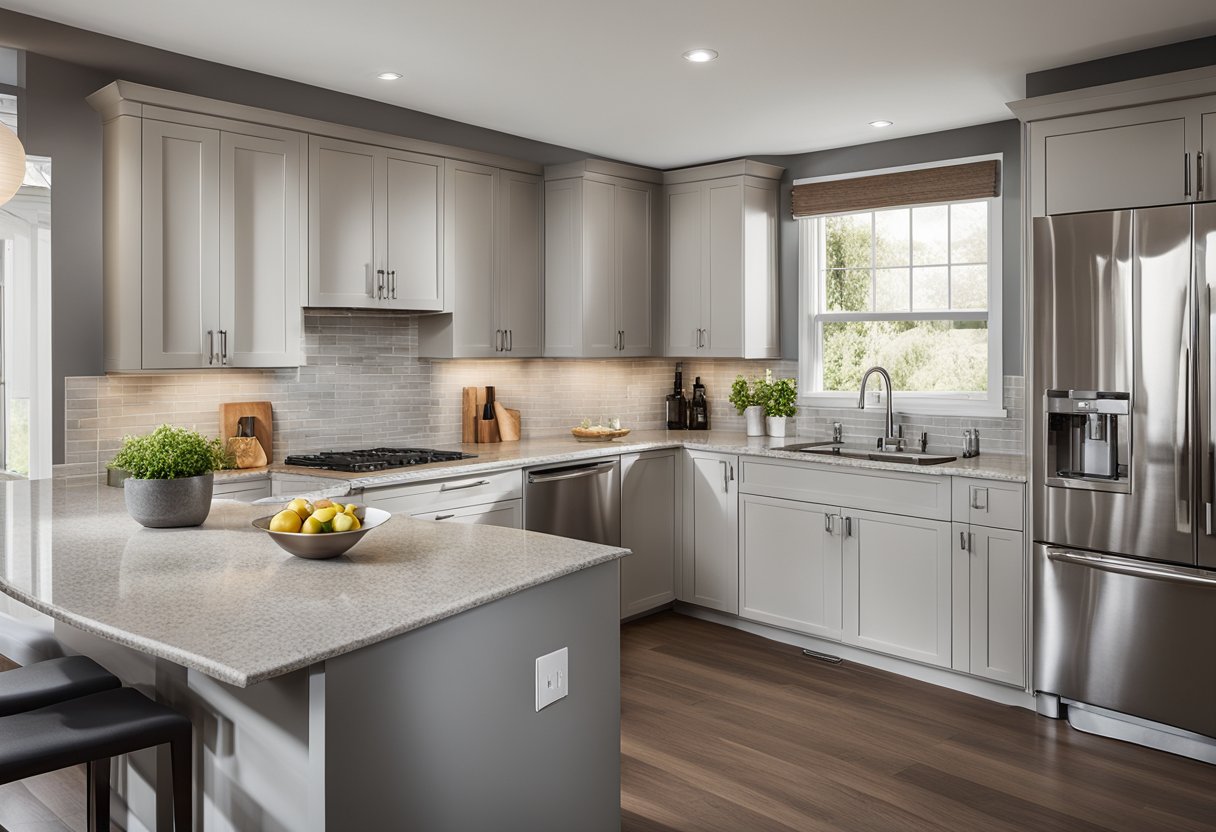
453	492
998	505
243	490
892	492
506	513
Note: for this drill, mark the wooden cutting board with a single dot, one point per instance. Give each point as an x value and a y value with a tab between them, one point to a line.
263	426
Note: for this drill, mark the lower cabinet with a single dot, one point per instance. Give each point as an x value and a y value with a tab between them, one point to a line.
897	586
790	565
710	574
507	513
989	603
649	516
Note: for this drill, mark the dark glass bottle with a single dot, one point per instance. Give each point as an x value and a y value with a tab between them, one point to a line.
676	405
700	407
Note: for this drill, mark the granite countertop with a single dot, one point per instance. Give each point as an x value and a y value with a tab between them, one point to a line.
224	600
545	451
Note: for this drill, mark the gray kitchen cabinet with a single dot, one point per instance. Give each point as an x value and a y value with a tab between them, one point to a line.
988	503
989	598
375	227
245	491
505	513
650	529
721	267
710	574
1205	179
599	257
790	563
220	259
491	264
897	585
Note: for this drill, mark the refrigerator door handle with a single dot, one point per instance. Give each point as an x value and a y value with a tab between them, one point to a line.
1122	566
1182	442
1205	434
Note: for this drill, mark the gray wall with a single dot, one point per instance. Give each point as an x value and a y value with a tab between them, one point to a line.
998	137
1174	57
64	64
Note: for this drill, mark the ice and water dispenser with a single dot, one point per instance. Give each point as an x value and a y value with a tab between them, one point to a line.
1088	435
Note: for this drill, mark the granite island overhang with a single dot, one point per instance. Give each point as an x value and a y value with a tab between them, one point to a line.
375	688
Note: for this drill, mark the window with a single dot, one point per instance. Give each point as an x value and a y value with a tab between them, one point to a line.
915	289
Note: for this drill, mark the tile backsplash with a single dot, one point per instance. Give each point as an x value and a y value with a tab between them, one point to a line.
363	385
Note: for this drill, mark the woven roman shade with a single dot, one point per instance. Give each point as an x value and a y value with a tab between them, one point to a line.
951	183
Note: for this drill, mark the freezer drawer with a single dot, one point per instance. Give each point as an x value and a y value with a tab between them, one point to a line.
1128	635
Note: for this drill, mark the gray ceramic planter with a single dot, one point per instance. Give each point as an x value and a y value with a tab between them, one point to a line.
169	504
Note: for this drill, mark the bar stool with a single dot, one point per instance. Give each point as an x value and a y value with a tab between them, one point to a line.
91	729
54	680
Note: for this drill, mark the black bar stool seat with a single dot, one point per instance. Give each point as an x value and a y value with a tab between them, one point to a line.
92	729
54	680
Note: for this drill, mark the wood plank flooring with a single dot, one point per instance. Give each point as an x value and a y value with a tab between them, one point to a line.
724	730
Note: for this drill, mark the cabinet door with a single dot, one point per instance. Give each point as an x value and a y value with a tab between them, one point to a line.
1206	179
506	514
712	532
897	586
563	267
790	565
1126	166
599	270
990	577
260	258
685	259
520	279
180	256
722	293
413	214
469	258
344	192
648	528
634	224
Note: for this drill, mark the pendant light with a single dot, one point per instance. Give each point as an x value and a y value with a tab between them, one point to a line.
12	163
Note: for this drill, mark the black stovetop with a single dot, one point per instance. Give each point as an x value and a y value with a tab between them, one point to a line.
374	459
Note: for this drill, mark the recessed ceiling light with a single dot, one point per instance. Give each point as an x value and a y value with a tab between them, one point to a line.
700	56
881	123
389	76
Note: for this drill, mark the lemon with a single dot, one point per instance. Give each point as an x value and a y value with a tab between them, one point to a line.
312	526
301	507
286	520
345	523
326	514
350	509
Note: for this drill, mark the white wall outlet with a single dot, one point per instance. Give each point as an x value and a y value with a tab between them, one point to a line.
552	677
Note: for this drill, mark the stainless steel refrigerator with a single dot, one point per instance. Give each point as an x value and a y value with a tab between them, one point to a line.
1123	429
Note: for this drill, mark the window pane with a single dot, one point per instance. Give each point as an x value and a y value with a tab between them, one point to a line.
969	232
892	238
930	288
847	241
969	287
922	356
847	290
930	235
891	290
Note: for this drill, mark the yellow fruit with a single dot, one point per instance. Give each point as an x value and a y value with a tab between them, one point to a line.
326	514
345	523
351	508
312	526
301	507
285	521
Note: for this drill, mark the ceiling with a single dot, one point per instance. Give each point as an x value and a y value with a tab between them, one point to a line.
608	78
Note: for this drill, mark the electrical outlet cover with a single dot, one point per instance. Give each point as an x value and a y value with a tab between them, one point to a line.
552	677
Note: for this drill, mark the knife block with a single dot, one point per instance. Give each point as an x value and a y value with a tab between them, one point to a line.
474	429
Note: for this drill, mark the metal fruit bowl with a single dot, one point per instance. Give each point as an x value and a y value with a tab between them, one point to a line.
329	544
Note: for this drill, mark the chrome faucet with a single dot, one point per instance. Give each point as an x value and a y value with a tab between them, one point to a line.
890	440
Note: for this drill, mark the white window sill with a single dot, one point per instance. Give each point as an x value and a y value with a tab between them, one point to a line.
908	405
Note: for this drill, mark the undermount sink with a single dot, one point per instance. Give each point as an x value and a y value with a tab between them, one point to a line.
901	457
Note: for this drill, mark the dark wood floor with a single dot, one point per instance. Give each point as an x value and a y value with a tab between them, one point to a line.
723	730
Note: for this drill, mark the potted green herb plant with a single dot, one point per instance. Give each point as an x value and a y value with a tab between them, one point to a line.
779	402
170	476
748	399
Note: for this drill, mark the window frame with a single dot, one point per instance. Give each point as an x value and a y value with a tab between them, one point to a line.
810	320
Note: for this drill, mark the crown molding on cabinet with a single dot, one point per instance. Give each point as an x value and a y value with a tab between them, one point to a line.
604	168
126	98
720	170
1154	89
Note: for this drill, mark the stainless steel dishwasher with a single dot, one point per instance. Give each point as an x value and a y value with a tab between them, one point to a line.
582	501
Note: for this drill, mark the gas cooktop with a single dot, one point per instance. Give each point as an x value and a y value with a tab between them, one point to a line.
374	459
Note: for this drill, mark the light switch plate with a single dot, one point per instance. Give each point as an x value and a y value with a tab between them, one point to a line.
552	677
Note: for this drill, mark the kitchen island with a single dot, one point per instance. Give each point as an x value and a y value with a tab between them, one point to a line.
392	687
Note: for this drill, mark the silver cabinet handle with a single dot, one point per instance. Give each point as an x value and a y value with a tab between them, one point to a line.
224	347
392	282
510	340
454	486
1180	575
211	346
498	340
848	527
827	523
1199	175
966	541
975	498
1186	174
368	281
732	472
444	516
725	478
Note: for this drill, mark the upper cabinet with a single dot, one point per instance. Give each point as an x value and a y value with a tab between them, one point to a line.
375	227
599	260
721	265
203	250
491	265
